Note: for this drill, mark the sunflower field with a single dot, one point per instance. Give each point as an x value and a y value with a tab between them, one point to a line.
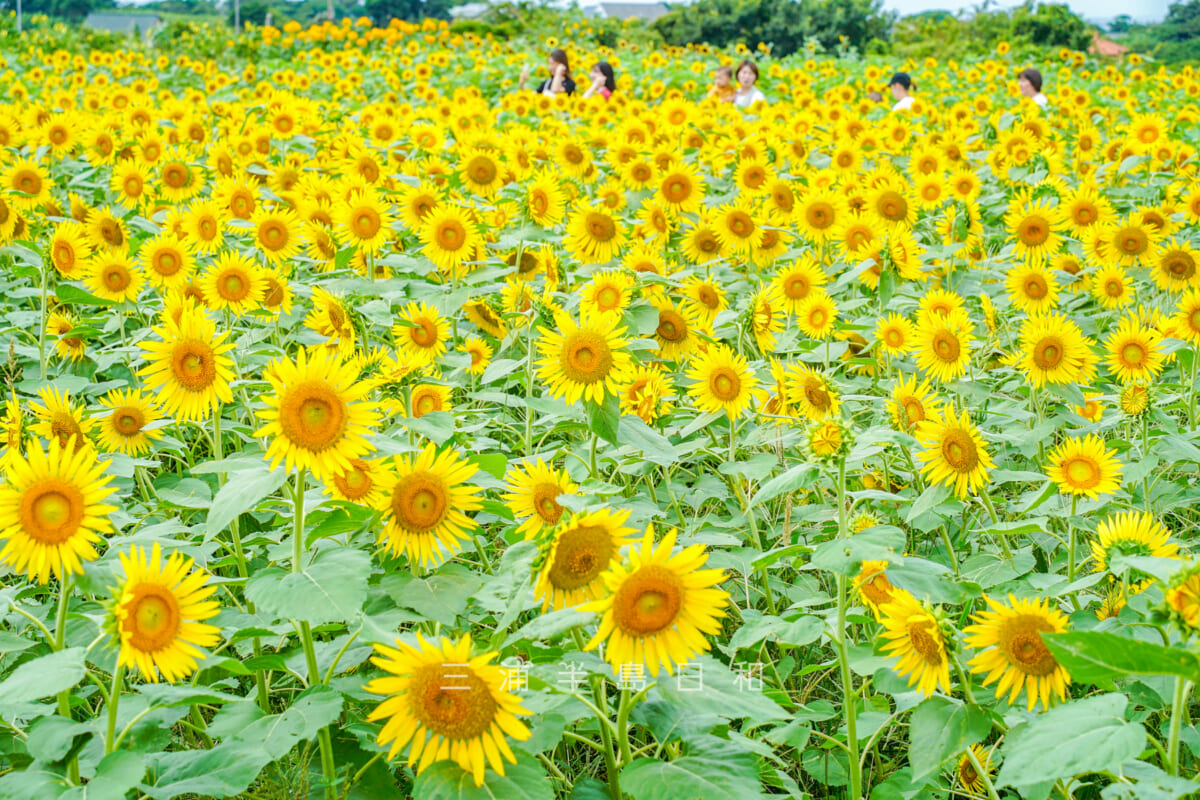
372	428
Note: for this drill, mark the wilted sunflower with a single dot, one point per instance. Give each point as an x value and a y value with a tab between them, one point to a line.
424	507
127	427
660	606
577	554
421	337
953	452
914	636
52	510
189	368
1132	533
582	361
1085	466
533	491
159	612
448	704
1012	651
723	381
317	416
943	346
1135	353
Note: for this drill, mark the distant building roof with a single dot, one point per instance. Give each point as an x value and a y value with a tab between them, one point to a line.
117	22
646	11
1106	47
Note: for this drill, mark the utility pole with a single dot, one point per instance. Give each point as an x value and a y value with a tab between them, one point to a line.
329	9
18	16
237	18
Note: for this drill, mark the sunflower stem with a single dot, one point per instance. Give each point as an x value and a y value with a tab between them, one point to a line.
1071	541
114	698
987	503
849	695
60	638
604	723
328	768
949	548
42	336
1191	390
1182	685
623	727
982	773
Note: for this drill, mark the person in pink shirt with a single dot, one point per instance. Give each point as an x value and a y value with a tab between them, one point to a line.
604	82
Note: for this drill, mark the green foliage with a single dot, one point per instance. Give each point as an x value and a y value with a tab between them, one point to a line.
979	31
383	11
68	10
785	26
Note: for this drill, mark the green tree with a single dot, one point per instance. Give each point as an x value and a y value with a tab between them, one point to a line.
69	10
1051	25
254	11
383	11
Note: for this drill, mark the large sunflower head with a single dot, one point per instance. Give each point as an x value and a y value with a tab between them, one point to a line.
953	452
52	510
533	491
61	420
129	424
1135	353
576	555
660	605
317	417
1085	467
1054	350
1132	533
449	704
421	333
1009	638
913	636
723	381
188	367
581	361
159	614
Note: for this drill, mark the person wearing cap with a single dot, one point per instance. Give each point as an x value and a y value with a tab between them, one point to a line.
1030	82
901	84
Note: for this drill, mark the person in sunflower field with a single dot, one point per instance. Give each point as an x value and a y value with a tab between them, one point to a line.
560	75
1030	83
902	86
722	88
747	93
604	81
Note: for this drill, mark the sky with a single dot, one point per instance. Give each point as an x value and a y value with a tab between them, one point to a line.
1093	10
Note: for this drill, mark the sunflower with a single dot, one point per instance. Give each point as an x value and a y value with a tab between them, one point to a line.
545	202
576	555
581	361
812	393
1135	399
59	324
189	368
954	453
480	353
1032	288
967	776
533	491
943	346
317	417
659	606
914	637
1054	350
12	434
420	336
1034	227
52	510
676	329
700	243
133	184
895	334
361	482
234	283
68	249
644	391
1130	242
61	420
130	424
1113	287
27	183
796	280
681	188
594	235
819	213
106	231
1186	320
159	614
424	508
112	276
203	226
1012	651
427	398
1183	598
891	206
450	238
817	314
363	220
448	704
1135	353
167	261
278	234
723	381
1085	466
1133	533
737	230
873	586
608	292
706	298
480	173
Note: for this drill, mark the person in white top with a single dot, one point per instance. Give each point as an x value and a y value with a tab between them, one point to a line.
747	93
901	84
1030	81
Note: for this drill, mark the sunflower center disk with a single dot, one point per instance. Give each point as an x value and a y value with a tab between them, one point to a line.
313	416
946	346
1133	354
544	502
959	451
1083	473
913	410
586	357
128	421
452	701
648	601
152	619
580	555
923	642
420	502
193	365
1048	354
51	512
725	385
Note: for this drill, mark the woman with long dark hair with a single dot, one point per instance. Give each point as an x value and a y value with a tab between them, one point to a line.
604	81
560	75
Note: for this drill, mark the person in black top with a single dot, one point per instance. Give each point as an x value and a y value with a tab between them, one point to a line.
560	76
